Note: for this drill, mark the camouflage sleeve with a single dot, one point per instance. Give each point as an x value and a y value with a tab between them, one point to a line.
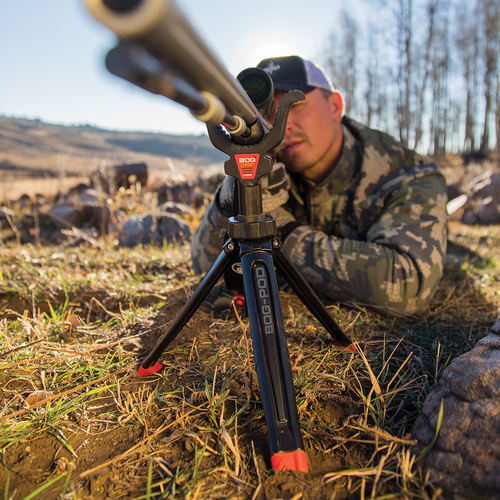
397	268
208	239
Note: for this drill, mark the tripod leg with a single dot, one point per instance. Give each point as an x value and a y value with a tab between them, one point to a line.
272	360
204	288
308	296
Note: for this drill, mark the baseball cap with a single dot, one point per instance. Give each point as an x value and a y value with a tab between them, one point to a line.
296	73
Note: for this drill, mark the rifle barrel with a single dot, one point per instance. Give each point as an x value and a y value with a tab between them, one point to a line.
166	33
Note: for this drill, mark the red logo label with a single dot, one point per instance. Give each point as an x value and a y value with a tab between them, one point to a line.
247	165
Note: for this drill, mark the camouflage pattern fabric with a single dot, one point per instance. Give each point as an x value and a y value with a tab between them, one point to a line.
373	233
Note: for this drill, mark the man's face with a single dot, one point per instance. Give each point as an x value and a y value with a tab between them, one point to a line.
313	138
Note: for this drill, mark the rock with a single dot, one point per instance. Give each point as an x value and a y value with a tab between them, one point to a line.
496	327
194	194
85	207
111	178
466	455
146	229
483	204
171	207
486	185
66	215
172	229
481	211
24	201
179	193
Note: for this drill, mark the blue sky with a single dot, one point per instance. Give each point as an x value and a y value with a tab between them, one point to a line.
52	57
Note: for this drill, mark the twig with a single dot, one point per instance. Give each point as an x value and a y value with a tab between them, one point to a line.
6	353
65	393
381	433
259	486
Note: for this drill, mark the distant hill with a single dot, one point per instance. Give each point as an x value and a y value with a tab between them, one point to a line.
34	149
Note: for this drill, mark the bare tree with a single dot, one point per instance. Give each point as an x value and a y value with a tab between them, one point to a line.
497	113
427	76
341	59
373	95
467	44
426	68
490	16
404	19
440	96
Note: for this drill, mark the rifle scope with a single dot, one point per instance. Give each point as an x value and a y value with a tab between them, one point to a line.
166	33
259	87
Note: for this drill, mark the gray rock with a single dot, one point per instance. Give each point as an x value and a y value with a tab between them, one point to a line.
466	455
171	207
111	178
146	230
483	206
496	327
81	208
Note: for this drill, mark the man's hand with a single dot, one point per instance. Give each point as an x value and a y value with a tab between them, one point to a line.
275	188
274	191
225	196
285	223
275	194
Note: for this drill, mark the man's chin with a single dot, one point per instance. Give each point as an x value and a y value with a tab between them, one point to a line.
293	167
292	161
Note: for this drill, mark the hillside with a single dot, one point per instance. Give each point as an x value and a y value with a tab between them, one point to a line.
32	149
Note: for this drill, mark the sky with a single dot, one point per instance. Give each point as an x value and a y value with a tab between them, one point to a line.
52	57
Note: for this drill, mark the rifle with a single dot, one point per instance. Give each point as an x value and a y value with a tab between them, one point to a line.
160	51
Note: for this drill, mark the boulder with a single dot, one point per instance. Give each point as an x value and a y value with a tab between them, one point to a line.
181	192
483	202
486	185
181	209
482	211
82	208
111	178
465	458
147	230
192	193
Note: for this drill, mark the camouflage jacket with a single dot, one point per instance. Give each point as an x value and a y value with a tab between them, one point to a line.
373	233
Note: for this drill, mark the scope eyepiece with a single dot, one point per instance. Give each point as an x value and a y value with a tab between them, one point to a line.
259	87
121	5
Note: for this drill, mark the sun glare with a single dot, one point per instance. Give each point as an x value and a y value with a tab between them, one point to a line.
272	50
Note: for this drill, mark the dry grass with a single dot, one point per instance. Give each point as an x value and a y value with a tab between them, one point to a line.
77	422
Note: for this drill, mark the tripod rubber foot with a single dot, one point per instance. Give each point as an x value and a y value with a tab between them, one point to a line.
293	460
146	372
239	299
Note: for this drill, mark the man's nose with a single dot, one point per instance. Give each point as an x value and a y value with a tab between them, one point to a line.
289	124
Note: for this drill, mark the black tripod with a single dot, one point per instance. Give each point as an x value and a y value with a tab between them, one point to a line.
252	234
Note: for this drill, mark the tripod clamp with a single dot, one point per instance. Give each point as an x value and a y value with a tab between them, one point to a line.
247	163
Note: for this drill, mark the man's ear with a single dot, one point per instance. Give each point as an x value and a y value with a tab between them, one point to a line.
337	104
